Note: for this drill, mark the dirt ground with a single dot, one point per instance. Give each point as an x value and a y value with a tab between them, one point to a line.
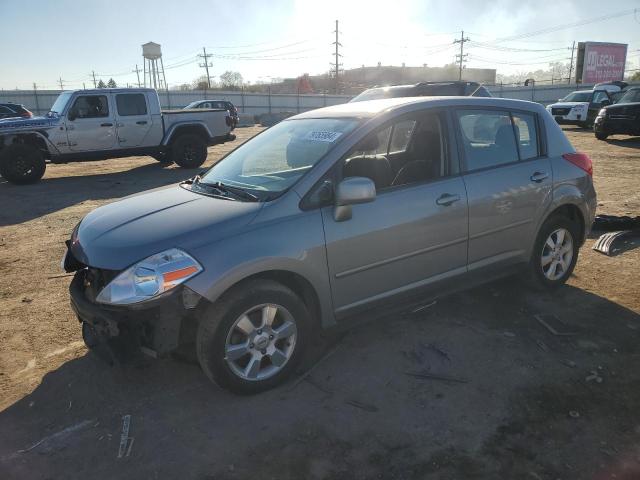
523	403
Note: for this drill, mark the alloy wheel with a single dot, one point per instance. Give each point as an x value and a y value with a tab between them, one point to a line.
557	254
260	342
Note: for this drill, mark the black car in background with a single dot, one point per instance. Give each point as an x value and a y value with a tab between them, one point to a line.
622	117
13	110
425	89
224	104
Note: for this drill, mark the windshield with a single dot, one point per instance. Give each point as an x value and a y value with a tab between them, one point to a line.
630	96
578	97
61	101
274	160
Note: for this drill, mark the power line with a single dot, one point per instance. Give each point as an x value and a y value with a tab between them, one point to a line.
461	57
206	65
337	63
579	23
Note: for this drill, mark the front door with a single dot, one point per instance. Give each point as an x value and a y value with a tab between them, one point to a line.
415	231
508	180
133	119
90	124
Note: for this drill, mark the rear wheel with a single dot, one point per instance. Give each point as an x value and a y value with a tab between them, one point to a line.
252	339
189	151
22	164
555	252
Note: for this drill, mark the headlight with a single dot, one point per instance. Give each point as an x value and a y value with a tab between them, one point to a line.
602	112
150	277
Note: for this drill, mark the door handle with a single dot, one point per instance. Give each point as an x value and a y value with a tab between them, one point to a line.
141	122
106	124
447	199
539	177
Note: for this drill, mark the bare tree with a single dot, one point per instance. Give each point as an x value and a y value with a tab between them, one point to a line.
231	80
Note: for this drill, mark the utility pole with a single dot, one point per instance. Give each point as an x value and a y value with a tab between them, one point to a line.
137	70
61	84
571	64
206	64
461	56
337	63
35	95
95	85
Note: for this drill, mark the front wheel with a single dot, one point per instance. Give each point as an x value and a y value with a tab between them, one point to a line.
555	252
189	151
252	339
601	135
22	164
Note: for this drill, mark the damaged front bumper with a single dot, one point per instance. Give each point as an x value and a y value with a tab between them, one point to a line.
155	327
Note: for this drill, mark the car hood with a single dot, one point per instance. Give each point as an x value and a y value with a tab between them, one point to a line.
567	104
119	234
33	123
624	108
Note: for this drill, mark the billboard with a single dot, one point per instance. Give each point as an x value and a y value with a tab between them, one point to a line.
600	62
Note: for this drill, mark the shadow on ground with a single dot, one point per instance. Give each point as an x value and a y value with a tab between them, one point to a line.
22	203
521	403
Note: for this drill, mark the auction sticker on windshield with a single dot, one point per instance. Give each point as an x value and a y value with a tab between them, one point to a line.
323	136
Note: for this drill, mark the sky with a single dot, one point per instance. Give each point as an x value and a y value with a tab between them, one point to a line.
42	41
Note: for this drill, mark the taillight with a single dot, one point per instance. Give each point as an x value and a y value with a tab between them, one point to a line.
580	160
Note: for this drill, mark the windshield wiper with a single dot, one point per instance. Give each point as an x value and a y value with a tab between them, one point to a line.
239	192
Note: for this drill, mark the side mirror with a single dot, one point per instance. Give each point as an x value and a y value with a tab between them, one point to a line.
605	102
72	115
351	191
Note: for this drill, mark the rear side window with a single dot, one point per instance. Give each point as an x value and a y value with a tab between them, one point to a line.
488	138
527	135
5	110
129	104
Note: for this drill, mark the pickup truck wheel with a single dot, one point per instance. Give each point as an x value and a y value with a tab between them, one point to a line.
22	164
555	253
253	338
601	135
189	151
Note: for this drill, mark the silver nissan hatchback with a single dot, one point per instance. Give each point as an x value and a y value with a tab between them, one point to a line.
333	214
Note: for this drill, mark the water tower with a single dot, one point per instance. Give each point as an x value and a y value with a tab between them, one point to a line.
153	70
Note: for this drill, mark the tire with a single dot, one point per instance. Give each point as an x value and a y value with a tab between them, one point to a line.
601	135
562	231
237	319
189	151
22	164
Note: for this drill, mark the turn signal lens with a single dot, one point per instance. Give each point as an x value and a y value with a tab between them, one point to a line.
580	160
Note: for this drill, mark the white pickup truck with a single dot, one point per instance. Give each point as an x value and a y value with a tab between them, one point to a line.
106	123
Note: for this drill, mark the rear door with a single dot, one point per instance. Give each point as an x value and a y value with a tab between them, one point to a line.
133	118
90	123
508	180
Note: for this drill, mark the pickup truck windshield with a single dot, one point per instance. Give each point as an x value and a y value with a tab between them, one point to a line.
578	97
274	160
60	102
631	96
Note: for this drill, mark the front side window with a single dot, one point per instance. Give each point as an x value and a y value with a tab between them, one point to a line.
91	106
527	135
129	104
409	151
273	161
488	138
598	97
